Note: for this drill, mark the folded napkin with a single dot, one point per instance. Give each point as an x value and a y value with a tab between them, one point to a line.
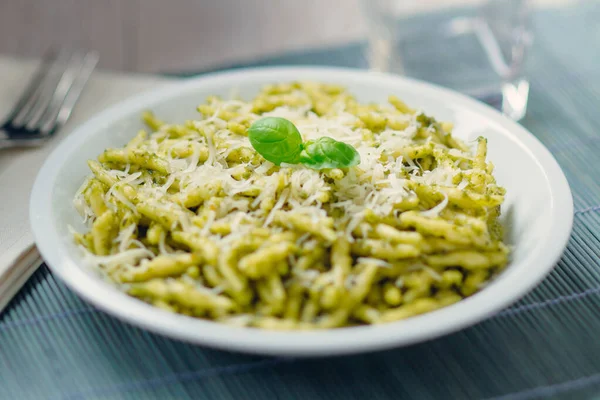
19	167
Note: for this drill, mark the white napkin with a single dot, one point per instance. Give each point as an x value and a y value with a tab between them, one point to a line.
19	167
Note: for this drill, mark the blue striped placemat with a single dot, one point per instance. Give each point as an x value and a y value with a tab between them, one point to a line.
53	345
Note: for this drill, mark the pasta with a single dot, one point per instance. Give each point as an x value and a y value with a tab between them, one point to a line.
190	218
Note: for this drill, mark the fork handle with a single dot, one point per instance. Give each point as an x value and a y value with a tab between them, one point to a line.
7	142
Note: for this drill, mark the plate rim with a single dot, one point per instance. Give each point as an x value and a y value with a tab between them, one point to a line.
315	343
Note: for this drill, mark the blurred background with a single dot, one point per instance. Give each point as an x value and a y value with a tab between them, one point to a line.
187	35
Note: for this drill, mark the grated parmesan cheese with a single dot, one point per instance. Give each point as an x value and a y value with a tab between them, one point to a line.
435	211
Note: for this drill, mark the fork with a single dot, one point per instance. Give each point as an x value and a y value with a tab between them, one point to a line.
49	99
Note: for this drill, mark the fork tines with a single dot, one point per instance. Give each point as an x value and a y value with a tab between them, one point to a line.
49	98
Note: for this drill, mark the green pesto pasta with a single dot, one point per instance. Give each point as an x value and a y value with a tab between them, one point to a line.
188	217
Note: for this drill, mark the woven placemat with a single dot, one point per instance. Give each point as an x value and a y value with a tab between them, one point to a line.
53	345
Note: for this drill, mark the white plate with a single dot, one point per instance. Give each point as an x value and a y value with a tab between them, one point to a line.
538	210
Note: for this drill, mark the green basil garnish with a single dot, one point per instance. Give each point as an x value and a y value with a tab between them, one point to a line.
326	152
278	140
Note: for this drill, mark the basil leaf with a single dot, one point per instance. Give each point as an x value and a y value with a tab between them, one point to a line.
276	139
326	152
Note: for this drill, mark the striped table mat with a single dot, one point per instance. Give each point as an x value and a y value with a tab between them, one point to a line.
53	345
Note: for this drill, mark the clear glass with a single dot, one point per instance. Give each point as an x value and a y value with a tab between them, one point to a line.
476	47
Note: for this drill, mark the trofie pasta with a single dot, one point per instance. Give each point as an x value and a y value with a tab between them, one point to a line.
192	219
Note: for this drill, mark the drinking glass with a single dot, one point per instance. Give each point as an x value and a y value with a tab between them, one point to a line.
478	47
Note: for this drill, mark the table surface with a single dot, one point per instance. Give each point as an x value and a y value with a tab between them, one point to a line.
53	345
